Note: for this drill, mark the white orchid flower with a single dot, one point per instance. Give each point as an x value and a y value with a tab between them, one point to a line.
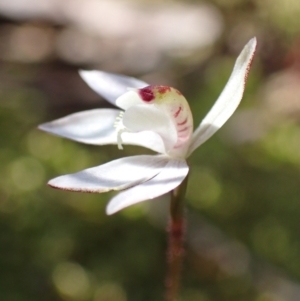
155	117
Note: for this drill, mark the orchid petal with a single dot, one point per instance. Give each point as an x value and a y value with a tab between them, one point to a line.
169	178
229	99
97	127
110	85
90	127
115	175
147	117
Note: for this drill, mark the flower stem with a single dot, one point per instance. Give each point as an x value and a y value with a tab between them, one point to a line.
175	250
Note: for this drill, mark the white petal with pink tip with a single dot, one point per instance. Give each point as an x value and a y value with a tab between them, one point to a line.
169	178
115	175
229	99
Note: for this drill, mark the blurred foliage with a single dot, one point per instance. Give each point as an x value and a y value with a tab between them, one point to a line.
243	204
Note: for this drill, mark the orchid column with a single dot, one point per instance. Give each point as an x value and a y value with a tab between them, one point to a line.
156	117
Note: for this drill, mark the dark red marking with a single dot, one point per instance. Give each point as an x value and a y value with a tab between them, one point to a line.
184	129
183	122
178	112
147	93
163	89
249	67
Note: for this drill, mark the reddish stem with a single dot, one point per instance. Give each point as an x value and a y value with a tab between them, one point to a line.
175	250
175	256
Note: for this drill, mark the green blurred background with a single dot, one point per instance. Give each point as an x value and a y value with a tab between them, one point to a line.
243	200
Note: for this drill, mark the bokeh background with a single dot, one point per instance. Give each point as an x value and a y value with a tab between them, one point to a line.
243	200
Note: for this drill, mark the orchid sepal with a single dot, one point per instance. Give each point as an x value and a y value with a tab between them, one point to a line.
228	100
